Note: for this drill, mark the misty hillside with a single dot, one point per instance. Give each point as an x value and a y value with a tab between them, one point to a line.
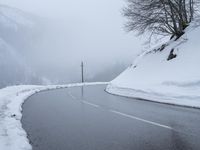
37	51
16	27
15	36
169	71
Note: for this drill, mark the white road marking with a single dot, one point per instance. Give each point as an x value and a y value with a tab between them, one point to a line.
85	102
73	97
91	104
140	119
123	114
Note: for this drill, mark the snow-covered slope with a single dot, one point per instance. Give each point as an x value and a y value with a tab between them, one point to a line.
153	77
14	18
13	69
16	29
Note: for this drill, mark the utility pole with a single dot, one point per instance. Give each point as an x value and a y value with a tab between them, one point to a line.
82	79
82	72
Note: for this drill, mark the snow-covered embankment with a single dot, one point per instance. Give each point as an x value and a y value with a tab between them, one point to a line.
12	135
156	77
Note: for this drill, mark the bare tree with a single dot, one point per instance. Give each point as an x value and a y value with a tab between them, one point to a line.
160	17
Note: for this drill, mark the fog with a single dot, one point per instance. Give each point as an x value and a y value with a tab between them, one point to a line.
67	32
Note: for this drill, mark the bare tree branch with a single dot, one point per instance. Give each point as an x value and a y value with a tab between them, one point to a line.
160	17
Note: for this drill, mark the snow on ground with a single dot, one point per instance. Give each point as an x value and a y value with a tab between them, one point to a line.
12	136
153	77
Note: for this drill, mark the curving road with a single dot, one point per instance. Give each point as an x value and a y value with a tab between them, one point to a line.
90	119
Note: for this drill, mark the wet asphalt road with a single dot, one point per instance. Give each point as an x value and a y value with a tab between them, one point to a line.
68	119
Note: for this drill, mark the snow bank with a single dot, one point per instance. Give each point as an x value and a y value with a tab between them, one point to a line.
153	77
12	136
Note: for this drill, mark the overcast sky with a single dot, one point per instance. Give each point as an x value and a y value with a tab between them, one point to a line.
66	7
94	30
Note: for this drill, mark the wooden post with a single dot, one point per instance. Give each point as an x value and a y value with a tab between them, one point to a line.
82	72
82	79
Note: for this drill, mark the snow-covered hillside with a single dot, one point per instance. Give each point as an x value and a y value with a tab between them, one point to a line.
155	76
15	35
14	18
17	28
